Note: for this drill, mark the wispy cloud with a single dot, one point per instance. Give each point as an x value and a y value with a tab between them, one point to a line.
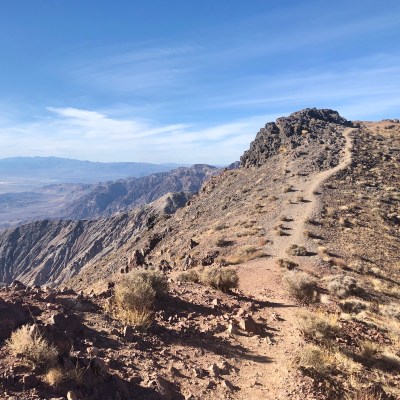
85	133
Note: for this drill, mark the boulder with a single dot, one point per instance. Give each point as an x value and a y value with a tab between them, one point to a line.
12	316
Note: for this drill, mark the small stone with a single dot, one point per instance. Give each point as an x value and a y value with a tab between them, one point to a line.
213	370
249	325
215	303
72	396
128	332
232	329
93	351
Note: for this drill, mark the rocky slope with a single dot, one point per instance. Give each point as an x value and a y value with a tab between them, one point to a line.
54	251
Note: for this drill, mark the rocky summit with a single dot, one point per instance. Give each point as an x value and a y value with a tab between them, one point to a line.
278	279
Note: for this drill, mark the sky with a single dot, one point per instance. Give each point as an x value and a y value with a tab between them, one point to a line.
186	81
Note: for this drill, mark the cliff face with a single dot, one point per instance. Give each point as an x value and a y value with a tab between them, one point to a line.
306	132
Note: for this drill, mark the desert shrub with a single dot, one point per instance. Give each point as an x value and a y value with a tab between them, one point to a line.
247	232
301	286
220	278
319	327
220	226
288	264
28	343
369	350
222	242
135	295
295	250
353	306
189	276
245	253
55	376
343	286
314	358
156	279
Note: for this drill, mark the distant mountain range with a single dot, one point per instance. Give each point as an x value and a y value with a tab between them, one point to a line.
88	201
19	174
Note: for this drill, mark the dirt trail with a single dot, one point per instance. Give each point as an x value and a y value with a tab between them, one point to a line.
272	375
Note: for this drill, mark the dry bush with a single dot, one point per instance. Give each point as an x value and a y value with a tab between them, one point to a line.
222	242
220	278
288	264
301	286
295	250
245	253
369	350
155	278
55	376
319	327
220	226
189	276
317	359
343	286
28	343
353	306
247	232
135	295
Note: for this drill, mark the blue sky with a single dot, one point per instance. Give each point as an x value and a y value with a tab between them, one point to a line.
185	81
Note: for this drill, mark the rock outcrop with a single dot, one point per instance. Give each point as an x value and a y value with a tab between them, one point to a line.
310	130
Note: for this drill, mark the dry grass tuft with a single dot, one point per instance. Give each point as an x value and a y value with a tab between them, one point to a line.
55	376
314	358
220	278
28	343
288	264
319	327
295	250
245	253
343	286
301	286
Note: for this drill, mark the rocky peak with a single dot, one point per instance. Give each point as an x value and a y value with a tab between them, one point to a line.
310	125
